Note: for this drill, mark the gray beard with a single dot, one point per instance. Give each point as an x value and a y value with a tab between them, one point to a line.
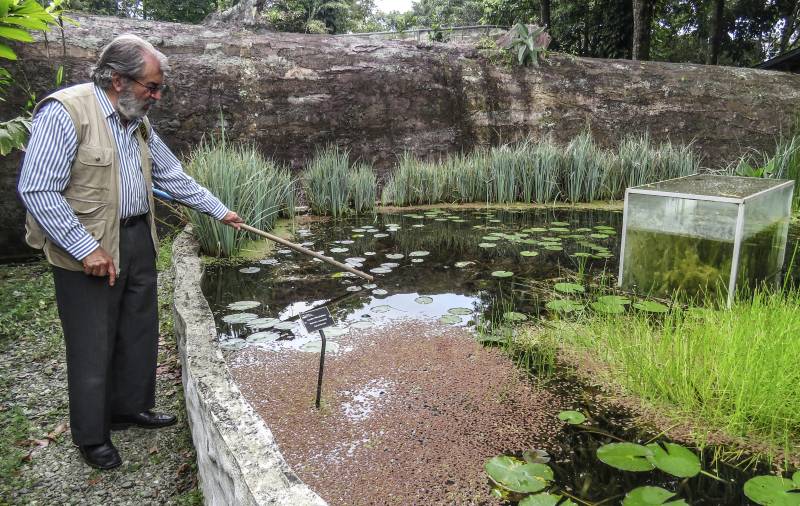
130	108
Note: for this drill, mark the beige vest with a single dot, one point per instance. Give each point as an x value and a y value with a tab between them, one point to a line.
93	188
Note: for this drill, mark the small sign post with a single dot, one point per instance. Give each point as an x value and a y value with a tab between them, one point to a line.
316	320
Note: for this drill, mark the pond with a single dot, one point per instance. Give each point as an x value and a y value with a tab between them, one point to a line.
404	343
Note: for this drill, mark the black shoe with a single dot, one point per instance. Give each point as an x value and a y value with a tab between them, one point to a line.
145	419
102	456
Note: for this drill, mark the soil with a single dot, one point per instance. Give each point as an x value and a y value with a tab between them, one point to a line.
410	413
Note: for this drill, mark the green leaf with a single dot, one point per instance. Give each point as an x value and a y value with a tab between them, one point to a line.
60	75
536	456
8	32
614	299
572	417
29	7
651	496
626	456
650	306
565	305
4	5
502	274
518	476
513	316
29	23
7	53
602	307
569	288
674	459
545	499
772	490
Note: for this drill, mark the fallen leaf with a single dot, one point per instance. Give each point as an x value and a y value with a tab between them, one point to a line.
152	450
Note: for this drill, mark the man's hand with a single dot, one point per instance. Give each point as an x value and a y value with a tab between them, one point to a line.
99	263
233	220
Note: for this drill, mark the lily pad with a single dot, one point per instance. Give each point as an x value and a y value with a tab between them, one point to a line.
553	247
369	253
602	307
268	261
502	274
572	417
239	317
464	263
287	325
545	499
355	260
316	347
369	286
335	331
380	270
564	305
262	323
560	223
487	245
394	256
536	456
364	324
650	306
381	309
417	260
460	310
675	459
626	456
513	316
490	238
569	288
243	304
614	299
233	344
354	288
380	235
262	337
651	496
419	253
450	319
249	270
518	476
379	291
527	253
423	300
338	250
773	490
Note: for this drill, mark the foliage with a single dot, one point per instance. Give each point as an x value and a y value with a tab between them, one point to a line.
362	188
527	42
257	188
334	188
784	164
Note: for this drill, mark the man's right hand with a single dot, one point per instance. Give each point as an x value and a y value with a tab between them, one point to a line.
99	263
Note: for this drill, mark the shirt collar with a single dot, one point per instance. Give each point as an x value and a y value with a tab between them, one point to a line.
108	108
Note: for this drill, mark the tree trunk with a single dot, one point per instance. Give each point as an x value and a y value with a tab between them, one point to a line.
544	13
715	40
642	28
790	12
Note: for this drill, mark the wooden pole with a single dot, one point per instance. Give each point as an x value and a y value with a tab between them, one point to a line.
307	251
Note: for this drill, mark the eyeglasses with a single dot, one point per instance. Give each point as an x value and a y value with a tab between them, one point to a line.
152	88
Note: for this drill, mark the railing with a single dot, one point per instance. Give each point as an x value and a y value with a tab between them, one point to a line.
450	33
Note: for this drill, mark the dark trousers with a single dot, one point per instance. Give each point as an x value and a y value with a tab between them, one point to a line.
111	335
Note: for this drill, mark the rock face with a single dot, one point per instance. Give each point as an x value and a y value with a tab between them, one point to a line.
289	93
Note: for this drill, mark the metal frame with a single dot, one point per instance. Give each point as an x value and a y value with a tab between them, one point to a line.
737	246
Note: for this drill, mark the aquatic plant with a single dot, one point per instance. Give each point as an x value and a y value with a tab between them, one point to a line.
362	188
584	175
503	175
326	182
256	187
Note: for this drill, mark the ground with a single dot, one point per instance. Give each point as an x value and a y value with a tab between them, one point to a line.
38	462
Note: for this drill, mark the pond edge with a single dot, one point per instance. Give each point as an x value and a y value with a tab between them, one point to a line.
238	460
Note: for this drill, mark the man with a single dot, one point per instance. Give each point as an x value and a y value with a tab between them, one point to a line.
87	184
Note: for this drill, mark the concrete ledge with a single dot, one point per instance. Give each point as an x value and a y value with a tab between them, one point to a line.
239	462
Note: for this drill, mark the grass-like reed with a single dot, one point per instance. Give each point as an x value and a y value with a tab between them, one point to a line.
325	182
257	188
362	189
733	369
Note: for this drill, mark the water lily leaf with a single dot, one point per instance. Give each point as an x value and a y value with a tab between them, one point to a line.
536	456
239	317
335	331
460	310
569	288
674	459
316	347
380	270
490	238
355	260
379	235
338	250
262	323
564	305
381	309
528	253
423	300
650	306
354	288
369	286
395	256
268	261
553	247
582	254
502	274
598	236
533	230
613	299
651	496
364	324
560	223
626	456
487	245
262	337
602	307
243	304
369	253
572	417
390	265
417	260
518	476
233	344
450	319
419	253
464	263
558	229
379	291
287	325
545	499
513	316
772	490
249	270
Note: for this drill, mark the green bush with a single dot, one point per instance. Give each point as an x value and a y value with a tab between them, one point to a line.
255	187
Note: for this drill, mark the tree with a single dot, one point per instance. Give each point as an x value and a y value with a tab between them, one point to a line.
717	13
642	26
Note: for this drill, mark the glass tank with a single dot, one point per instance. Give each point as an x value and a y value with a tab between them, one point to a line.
703	235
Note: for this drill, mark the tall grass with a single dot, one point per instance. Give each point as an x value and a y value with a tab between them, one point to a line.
735	369
325	182
584	177
362	188
257	188
784	164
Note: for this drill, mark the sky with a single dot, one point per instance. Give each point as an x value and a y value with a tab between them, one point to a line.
393	5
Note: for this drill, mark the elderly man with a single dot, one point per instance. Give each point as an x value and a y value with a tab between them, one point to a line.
87	184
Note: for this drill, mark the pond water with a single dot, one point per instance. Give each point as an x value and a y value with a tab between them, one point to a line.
455	268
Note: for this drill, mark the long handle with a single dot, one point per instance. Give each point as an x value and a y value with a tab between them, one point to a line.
307	251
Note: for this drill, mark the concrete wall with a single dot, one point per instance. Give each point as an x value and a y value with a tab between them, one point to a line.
238	460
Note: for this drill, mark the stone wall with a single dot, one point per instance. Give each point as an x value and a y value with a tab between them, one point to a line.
289	93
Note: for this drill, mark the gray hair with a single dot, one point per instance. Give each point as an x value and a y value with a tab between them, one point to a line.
125	55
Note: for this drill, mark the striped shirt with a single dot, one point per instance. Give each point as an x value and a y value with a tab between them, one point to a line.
46	172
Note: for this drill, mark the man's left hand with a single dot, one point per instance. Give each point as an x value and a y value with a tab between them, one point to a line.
233	219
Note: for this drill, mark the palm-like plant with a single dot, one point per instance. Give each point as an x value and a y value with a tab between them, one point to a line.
527	42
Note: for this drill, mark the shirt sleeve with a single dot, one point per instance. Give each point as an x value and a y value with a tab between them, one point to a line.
45	174
168	175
